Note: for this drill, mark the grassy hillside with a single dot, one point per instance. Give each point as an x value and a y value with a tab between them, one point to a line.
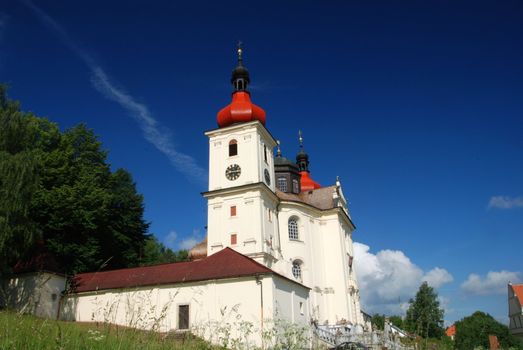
28	332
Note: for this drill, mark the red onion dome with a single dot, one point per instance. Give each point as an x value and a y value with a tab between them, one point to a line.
240	110
302	160
307	183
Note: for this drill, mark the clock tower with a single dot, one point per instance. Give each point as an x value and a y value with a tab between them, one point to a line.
242	204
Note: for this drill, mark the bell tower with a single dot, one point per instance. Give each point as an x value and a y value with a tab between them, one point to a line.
241	197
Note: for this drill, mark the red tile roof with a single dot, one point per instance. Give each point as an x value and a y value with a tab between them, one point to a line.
518	291
451	331
227	263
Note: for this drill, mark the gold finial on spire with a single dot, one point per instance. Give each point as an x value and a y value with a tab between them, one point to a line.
239	50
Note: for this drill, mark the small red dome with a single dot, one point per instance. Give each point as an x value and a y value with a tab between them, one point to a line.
240	110
307	183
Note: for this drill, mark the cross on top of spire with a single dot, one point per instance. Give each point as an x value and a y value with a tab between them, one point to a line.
239	50
240	75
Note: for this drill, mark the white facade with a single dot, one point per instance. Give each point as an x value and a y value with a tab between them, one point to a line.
247	214
215	307
323	251
36	293
242	211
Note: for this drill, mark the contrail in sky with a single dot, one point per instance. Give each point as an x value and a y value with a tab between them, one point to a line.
152	131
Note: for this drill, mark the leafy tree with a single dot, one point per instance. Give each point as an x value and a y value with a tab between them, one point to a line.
473	331
18	182
378	321
64	191
157	253
397	321
424	316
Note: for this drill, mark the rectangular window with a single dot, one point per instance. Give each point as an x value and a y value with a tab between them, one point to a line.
234	239
295	186
282	184
233	210
301	308
269	215
265	153
183	316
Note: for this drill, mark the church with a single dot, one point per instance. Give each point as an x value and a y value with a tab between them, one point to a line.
278	246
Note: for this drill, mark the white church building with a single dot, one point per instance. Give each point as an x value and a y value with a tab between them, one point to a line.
278	246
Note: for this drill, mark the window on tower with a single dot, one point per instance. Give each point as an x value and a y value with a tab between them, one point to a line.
282	184
295	186
296	269
293	229
233	148
234	239
265	153
233	210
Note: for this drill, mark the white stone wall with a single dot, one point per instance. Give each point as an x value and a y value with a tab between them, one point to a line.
251	138
260	224
35	293
215	307
255	223
323	248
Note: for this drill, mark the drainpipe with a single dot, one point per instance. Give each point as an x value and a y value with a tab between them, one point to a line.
260	283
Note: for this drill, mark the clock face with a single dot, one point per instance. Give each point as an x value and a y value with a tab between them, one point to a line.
233	172
267	177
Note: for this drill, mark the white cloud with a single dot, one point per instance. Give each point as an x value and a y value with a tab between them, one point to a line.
191	240
388	279
438	277
494	283
188	241
444	303
505	202
158	136
170	239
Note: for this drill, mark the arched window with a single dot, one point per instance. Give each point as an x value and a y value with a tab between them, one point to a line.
293	229
296	269
282	184
233	148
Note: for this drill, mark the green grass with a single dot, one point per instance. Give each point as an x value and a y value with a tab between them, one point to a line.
29	332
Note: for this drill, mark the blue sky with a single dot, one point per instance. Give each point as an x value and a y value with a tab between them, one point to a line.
415	105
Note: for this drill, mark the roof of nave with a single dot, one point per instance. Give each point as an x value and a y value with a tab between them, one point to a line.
321	198
518	292
226	263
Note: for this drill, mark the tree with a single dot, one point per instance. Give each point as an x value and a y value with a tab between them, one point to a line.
424	316
473	331
397	321
157	253
18	182
58	186
378	321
